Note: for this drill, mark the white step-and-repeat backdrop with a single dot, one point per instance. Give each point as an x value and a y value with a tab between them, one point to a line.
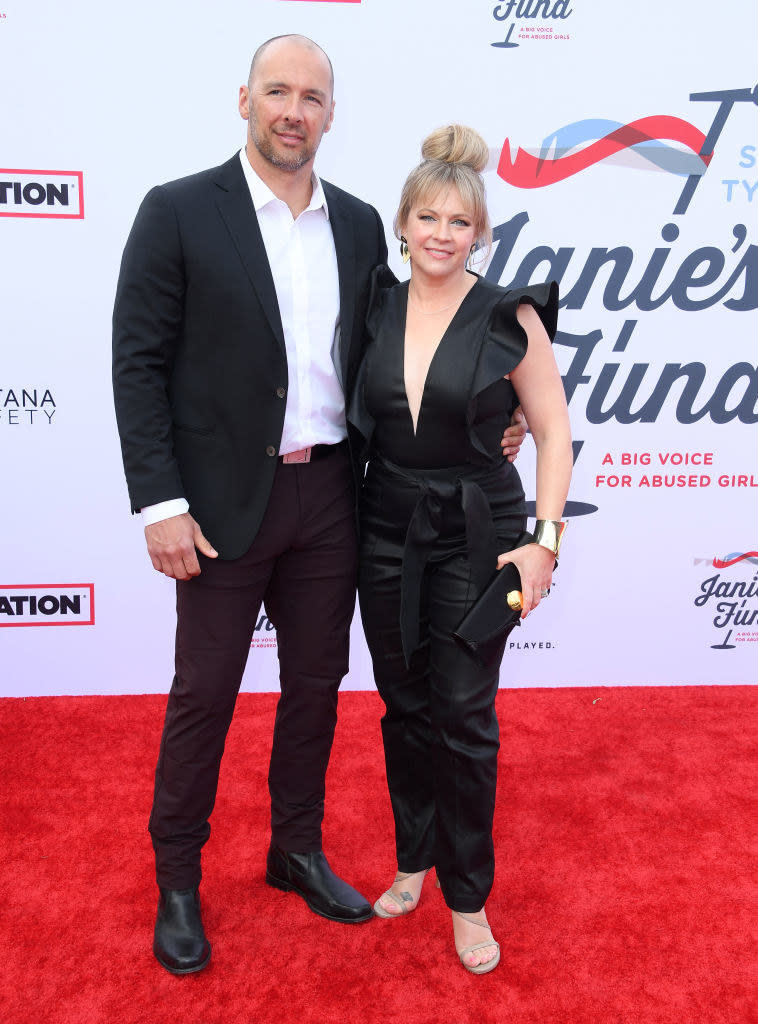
624	142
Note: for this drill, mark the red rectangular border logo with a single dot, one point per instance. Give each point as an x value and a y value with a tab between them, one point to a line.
79	175
52	586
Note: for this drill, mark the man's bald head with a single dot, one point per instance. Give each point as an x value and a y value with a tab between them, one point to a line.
298	40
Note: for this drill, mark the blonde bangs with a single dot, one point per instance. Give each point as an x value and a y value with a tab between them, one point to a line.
435	177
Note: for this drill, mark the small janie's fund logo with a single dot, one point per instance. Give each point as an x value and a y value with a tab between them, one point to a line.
264	634
543	20
732	603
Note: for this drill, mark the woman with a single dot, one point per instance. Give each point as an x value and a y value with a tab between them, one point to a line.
449	358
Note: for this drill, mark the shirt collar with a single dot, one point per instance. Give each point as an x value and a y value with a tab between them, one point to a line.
262	195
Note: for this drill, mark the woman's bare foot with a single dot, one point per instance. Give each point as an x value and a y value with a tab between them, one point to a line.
472	930
402	896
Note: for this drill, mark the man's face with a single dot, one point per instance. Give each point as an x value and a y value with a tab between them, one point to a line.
288	104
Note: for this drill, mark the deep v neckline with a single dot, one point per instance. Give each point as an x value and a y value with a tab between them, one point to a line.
453	318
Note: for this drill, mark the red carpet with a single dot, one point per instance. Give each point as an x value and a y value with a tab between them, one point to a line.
625	890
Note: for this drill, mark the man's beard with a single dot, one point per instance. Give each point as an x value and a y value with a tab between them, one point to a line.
282	161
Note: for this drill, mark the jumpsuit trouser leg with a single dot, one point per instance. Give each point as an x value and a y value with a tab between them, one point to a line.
440	730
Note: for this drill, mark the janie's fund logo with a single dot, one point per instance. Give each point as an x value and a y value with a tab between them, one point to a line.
526	20
264	634
731	600
47	604
29	193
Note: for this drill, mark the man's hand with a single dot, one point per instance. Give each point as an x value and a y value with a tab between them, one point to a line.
514	436
171	545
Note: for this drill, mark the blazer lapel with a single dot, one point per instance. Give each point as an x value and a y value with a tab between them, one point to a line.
344	244
236	208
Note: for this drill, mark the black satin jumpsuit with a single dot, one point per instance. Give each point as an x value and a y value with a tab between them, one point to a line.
437	507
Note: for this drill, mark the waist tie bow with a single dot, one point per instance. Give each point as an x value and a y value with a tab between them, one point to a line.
424	529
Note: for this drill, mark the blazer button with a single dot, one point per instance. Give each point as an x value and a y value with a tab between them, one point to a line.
281	392
271	450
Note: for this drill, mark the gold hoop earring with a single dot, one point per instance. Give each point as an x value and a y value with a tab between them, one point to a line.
404	250
470	257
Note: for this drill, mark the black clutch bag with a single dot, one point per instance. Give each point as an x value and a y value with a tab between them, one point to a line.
486	625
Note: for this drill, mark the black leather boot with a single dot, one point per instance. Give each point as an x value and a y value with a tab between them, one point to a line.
309	875
180	944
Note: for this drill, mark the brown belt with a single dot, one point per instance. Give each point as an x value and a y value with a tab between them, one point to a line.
312	453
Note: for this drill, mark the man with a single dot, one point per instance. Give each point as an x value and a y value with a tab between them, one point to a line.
237	333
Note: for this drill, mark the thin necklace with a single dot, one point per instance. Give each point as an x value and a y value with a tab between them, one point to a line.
433	312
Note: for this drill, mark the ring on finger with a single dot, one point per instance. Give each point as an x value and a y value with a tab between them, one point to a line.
544	592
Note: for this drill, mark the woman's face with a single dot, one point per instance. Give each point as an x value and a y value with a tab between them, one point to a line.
440	235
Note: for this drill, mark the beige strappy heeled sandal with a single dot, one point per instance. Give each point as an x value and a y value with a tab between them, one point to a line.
479	968
401	900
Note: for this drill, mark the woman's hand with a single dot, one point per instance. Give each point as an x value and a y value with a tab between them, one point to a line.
535	565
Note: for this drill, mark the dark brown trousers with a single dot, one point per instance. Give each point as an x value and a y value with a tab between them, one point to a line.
302	567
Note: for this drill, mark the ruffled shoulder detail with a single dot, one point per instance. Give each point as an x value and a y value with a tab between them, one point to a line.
381	283
505	342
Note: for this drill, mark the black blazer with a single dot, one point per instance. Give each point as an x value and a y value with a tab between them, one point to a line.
199	363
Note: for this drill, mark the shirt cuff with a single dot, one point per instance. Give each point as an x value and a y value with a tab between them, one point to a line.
164	510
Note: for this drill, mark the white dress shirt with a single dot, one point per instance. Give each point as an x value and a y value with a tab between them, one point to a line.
303	263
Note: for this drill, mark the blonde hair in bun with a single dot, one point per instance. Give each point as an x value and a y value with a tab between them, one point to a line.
456	144
452	157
